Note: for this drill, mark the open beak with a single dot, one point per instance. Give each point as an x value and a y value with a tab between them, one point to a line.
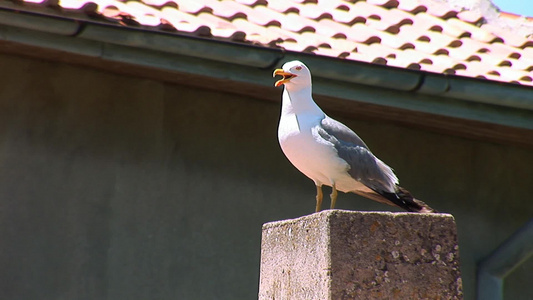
286	76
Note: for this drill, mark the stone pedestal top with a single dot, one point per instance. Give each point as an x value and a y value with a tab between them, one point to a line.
336	254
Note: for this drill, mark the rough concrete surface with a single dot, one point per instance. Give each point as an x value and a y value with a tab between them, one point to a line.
338	254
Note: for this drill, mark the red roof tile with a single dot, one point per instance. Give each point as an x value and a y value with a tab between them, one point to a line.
412	6
470	16
415	34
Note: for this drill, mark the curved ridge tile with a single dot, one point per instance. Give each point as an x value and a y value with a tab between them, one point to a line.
508	37
471	17
282	6
378	50
385	3
364	34
192	7
440	10
252	3
160	3
366	58
412	6
428	19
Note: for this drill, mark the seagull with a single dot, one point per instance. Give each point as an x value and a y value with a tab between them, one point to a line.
330	153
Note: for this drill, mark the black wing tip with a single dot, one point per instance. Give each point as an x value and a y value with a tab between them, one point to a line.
403	199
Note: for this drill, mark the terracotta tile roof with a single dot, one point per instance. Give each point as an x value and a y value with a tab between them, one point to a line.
414	34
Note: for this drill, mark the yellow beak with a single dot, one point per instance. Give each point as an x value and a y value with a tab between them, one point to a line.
286	77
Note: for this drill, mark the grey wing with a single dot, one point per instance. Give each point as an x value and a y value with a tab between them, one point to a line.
364	166
341	132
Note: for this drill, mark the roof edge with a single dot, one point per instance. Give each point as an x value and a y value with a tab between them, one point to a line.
414	90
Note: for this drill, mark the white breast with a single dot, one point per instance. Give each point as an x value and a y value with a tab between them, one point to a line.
312	155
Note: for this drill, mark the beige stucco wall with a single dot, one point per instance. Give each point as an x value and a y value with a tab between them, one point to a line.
126	188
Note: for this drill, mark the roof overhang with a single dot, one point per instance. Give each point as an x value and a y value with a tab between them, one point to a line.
475	108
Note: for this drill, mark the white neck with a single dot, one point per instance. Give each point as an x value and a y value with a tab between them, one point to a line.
297	101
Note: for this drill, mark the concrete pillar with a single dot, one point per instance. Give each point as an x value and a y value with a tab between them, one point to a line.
339	254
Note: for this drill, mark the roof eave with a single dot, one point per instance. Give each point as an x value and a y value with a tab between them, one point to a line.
421	92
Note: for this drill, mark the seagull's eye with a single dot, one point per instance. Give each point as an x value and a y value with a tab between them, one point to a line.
298	68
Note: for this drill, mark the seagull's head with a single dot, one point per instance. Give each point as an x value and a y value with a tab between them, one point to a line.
295	75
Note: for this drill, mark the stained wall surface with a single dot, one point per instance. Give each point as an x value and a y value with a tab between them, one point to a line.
117	187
